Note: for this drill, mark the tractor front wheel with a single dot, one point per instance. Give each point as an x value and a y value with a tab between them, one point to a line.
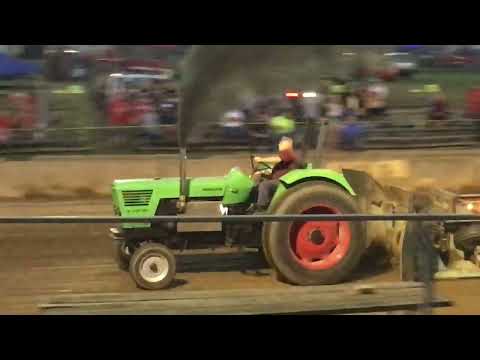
316	252
153	267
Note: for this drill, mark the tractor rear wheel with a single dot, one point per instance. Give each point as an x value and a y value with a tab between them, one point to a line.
153	266
316	252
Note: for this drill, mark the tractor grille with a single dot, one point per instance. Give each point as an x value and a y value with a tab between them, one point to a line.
137	197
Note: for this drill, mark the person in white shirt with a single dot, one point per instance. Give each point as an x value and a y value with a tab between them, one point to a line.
334	108
378	98
233	124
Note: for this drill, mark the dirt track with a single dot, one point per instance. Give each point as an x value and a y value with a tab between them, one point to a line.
81	177
39	260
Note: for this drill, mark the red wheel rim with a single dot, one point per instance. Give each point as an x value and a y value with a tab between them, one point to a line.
320	245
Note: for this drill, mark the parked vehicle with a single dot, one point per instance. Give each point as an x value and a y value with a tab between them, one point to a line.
404	64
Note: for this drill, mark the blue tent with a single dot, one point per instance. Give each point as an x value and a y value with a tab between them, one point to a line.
11	67
410	48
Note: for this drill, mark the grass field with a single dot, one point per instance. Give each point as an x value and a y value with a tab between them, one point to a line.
454	83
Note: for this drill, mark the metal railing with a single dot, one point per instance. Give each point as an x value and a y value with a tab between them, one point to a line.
234	218
391	132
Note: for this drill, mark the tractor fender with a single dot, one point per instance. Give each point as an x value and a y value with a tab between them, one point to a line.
299	176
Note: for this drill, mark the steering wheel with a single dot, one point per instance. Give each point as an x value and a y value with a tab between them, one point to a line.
260	166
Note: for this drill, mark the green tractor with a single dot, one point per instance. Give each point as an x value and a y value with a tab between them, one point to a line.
303	253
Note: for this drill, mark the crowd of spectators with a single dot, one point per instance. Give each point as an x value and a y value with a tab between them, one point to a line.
20	111
147	104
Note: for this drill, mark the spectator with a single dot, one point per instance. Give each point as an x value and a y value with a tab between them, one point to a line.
349	115
352	104
360	101
340	89
167	113
377	94
138	107
233	125
439	108
150	122
119	110
334	108
145	110
24	113
100	95
312	102
351	135
4	129
157	94
43	112
369	103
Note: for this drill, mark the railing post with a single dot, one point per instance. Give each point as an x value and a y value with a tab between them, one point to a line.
319	155
425	264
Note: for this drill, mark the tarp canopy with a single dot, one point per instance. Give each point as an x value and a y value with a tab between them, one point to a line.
11	67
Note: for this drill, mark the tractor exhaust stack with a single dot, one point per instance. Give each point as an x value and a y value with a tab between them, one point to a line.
182	200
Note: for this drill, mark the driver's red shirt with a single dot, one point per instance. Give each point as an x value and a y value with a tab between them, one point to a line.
284	167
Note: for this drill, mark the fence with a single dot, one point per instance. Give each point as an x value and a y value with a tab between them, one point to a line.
422	134
105	139
424	255
397	131
408	133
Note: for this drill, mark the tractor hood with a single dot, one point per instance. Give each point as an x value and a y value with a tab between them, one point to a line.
233	188
170	187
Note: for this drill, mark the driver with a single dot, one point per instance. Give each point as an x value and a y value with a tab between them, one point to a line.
288	160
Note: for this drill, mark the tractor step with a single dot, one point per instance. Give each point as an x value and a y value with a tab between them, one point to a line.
116	234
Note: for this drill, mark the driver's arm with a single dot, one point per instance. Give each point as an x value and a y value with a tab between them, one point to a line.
268	160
